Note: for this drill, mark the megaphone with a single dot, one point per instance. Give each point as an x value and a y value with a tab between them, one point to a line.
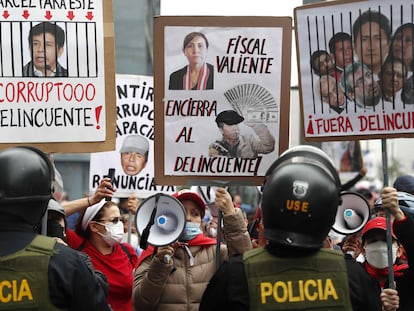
352	214
208	193
160	220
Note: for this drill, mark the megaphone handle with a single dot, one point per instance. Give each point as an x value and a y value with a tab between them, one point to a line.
143	243
145	233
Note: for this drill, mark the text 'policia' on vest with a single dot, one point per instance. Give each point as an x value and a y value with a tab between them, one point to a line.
320	279
24	285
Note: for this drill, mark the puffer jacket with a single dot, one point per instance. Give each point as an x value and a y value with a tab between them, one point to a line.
180	284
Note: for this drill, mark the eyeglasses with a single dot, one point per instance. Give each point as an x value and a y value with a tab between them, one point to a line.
113	220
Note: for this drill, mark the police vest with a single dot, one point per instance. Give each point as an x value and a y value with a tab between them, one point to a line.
316	282
24	278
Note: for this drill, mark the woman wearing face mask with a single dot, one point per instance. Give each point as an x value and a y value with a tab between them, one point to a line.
98	233
376	255
174	277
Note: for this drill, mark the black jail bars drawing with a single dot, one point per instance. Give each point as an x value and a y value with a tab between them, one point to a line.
49	49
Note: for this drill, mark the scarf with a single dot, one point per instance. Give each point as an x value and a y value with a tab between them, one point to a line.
202	78
379	274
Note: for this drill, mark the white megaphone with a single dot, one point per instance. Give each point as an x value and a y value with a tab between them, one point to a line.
352	214
352	219
160	220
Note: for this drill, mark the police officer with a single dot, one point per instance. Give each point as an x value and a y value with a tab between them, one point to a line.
37	273
300	198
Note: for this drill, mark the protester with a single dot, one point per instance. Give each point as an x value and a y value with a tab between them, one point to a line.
54	224
174	277
36	272
98	233
293	270
375	250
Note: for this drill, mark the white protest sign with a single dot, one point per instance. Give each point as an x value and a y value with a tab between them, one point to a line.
366	91
133	159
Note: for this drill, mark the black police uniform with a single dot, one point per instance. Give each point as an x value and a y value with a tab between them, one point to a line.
228	289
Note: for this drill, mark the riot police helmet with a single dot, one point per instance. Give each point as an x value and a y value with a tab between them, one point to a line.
26	184
301	194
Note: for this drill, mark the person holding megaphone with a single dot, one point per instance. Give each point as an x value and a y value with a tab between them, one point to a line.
174	277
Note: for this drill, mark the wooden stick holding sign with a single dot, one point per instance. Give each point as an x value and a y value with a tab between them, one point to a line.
387	215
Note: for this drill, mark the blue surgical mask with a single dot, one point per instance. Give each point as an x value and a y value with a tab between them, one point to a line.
191	230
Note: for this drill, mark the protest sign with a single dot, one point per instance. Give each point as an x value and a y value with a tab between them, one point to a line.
57	75
355	69
133	158
213	76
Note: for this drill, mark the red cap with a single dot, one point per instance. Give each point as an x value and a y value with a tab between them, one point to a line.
377	223
189	195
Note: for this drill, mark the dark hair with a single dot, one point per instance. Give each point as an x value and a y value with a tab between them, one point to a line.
390	60
314	57
371	17
191	36
46	27
338	37
398	31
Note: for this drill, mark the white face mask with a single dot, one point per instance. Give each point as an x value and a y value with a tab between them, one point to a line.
377	254
114	232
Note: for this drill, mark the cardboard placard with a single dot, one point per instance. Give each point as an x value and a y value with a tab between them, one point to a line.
245	74
72	109
353	84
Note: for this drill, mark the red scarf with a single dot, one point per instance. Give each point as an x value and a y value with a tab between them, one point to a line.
199	240
202	78
379	274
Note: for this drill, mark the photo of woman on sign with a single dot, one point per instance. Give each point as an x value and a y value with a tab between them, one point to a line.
198	74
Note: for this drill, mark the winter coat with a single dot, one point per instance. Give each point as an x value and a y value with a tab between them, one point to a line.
180	284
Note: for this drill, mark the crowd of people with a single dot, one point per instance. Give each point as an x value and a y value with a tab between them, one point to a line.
368	70
285	257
